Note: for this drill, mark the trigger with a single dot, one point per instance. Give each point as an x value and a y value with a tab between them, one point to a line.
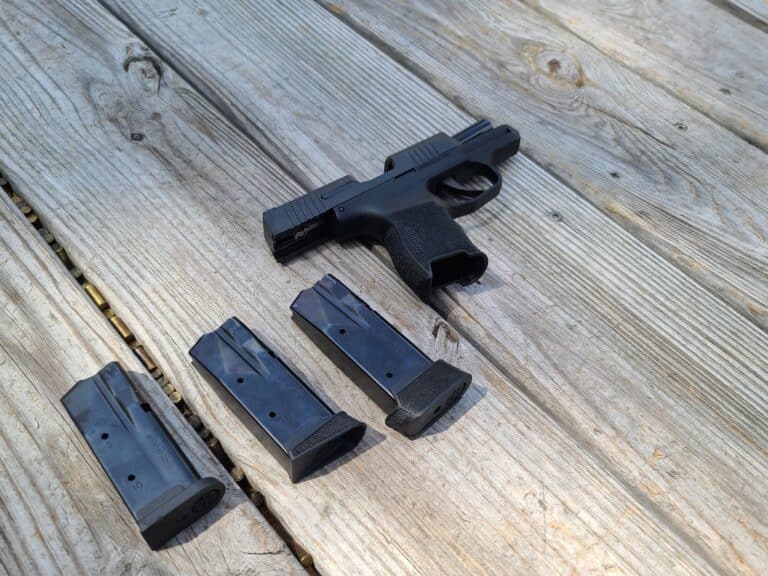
451	188
453	185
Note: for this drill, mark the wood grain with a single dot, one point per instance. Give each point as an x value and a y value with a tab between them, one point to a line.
694	49
686	186
635	360
59	513
169	224
754	12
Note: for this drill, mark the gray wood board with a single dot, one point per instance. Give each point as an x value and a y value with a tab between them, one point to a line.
697	51
176	244
594	325
517	479
688	187
753	12
59	513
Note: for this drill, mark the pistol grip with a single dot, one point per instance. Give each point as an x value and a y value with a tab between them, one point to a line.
430	250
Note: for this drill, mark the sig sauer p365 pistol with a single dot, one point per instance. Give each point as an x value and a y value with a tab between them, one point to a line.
409	208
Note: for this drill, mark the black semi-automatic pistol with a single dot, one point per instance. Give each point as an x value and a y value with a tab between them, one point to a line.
409	208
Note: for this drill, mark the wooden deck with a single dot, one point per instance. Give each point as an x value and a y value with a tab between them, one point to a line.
618	419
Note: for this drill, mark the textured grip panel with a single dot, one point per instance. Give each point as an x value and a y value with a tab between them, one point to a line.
430	250
428	397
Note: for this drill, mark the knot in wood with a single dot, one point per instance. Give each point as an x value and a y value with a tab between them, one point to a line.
560	66
150	66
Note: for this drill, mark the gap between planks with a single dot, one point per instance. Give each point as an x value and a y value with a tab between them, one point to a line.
304	181
174	395
253	134
414	68
756	16
411	66
724	5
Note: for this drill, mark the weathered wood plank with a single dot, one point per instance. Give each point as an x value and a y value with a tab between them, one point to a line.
688	187
59	513
701	53
169	223
753	11
638	362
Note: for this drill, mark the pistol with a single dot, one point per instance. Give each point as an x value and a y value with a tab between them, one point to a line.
409	209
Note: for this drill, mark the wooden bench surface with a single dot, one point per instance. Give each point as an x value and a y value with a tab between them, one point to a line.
617	418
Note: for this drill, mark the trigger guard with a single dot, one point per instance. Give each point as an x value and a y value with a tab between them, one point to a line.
472	198
483	170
